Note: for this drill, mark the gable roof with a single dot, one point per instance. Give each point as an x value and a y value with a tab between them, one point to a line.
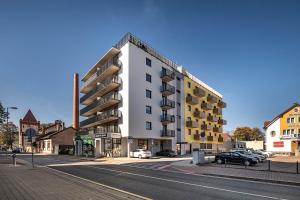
268	123
29	118
49	135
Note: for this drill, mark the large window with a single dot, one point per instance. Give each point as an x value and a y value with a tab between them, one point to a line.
148	62
148	126
148	109
148	78
290	120
148	94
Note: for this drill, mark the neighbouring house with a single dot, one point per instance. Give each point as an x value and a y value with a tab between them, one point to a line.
58	142
256	144
283	132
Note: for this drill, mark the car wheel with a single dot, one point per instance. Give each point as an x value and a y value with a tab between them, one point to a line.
246	163
140	156
219	161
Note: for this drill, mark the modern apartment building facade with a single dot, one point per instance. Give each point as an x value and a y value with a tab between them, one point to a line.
134	98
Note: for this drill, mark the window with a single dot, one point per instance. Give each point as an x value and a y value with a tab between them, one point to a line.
148	78
148	109
208	146
292	120
148	62
148	126
190	108
190	131
292	131
284	132
273	133
189	85
189	119
148	93
197	132
288	120
288	132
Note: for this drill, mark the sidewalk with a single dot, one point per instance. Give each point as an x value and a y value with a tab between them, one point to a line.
222	171
23	182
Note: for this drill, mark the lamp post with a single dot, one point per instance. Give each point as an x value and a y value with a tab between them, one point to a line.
7	113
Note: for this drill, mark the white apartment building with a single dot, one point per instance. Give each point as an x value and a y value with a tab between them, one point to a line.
133	98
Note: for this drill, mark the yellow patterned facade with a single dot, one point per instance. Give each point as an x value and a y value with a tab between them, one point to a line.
203	116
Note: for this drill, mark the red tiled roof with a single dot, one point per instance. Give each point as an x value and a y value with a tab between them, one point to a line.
29	118
226	137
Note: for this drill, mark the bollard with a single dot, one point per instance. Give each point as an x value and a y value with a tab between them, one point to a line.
225	162
297	169
14	159
269	165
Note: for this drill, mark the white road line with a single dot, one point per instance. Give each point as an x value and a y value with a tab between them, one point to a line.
112	188
186	183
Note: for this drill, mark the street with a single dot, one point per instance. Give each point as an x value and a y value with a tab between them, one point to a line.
158	184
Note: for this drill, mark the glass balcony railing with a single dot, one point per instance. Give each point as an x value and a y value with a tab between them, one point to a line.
222	121
212	99
212	118
206	127
192	100
167	133
192	124
199	92
167	118
106	86
104	117
199	114
104	102
222	104
167	89
167	75
206	106
166	104
217	111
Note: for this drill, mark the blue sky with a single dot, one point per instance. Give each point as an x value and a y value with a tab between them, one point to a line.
247	50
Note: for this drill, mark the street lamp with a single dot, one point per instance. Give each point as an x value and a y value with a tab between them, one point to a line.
7	113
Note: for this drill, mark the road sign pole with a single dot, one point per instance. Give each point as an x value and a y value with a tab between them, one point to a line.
31	149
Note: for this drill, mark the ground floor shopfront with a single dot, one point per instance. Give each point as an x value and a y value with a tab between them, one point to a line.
120	147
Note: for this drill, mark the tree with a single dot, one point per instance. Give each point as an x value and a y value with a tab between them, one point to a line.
2	114
248	134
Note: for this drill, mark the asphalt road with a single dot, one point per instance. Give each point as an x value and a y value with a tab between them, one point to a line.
157	184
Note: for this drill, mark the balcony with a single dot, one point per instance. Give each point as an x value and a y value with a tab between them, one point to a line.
166	119
166	104
106	131
206	106
218	129
167	90
220	139
167	133
106	70
199	92
192	100
199	114
106	101
212	118
167	75
105	117
212	99
105	87
217	111
222	121
210	138
196	137
295	137
192	124
222	104
206	127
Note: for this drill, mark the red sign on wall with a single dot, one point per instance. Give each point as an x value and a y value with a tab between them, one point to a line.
278	144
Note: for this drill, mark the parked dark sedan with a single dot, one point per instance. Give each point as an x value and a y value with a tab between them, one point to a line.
17	150
167	153
235	158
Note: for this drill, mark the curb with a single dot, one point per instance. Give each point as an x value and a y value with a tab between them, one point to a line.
255	179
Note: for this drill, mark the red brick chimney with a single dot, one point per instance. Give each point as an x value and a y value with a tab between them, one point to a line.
75	102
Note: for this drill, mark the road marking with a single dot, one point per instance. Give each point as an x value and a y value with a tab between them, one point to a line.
112	188
186	183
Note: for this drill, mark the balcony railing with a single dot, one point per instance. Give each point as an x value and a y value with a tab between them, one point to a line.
105	117
206	127
222	104
206	106
210	138
199	114
291	136
192	100
222	121
212	99
104	102
167	133
199	92
101	89
167	90
220	139
107	69
166	104
192	124
166	118
218	129
196	137
107	129
167	75
212	118
217	111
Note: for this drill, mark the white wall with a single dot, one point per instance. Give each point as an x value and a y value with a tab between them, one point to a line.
270	140
137	94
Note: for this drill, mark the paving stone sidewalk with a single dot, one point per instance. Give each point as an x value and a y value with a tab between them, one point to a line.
24	183
185	166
